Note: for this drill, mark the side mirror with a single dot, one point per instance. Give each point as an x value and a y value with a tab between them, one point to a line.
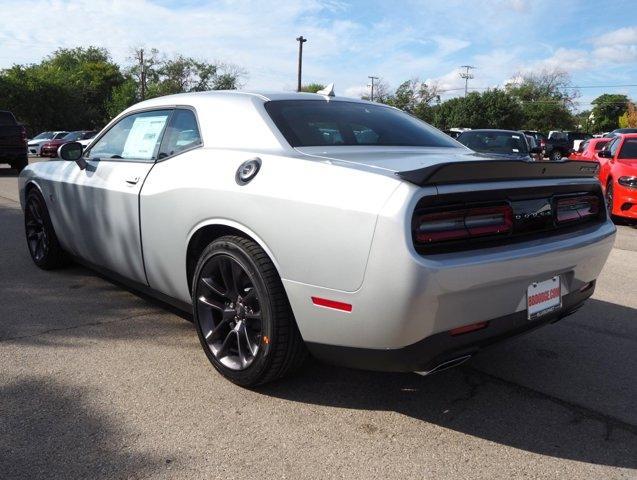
72	152
604	154
535	150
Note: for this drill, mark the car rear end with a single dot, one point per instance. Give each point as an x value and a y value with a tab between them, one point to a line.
458	265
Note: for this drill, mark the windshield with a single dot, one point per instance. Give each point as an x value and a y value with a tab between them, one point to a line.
505	143
43	136
309	123
60	135
71	137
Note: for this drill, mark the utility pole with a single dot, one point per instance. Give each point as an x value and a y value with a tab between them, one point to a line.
301	41
466	75
372	78
142	75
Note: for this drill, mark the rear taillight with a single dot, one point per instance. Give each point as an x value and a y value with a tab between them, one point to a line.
24	134
461	224
542	143
572	209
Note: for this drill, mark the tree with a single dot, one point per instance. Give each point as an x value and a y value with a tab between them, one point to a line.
607	109
546	99
629	119
490	109
381	91
69	89
179	74
312	87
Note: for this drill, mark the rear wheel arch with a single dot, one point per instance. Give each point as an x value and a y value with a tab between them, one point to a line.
204	234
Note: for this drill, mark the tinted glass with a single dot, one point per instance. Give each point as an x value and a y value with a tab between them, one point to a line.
182	133
600	145
612	147
308	123
43	135
135	137
6	118
629	149
505	143
60	135
71	137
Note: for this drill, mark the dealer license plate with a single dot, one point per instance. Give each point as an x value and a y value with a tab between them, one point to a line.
543	298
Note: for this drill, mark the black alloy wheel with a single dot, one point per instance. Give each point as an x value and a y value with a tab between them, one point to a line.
229	312
43	244
609	198
243	317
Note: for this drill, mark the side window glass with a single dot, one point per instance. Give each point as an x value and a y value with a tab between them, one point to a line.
182	133
613	146
135	137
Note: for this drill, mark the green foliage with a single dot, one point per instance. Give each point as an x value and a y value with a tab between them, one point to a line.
312	87
629	119
69	89
546	100
490	109
607	109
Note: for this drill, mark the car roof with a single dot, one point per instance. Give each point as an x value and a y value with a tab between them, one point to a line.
203	98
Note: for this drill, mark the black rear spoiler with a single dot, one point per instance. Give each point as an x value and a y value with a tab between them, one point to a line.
497	170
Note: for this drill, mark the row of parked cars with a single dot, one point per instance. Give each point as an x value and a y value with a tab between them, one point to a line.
616	153
46	144
15	146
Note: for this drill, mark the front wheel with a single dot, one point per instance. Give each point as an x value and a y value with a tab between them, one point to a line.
555	156
243	318
43	244
609	198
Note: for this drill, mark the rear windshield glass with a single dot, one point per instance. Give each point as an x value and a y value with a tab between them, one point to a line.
506	143
309	123
6	119
629	149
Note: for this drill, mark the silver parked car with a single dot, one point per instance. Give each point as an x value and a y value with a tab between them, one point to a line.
296	223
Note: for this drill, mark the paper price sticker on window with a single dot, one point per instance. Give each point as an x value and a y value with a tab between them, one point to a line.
143	137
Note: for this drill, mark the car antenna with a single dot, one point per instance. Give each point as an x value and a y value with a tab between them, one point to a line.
327	91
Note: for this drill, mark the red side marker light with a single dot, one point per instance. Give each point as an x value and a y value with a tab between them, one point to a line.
468	328
324	302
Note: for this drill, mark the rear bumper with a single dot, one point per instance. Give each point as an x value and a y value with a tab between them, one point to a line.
442	349
12	153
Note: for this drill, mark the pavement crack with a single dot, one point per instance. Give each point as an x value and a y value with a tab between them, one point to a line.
581	412
92	324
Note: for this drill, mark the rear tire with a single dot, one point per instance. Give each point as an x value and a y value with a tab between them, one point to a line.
556	156
243	317
42	242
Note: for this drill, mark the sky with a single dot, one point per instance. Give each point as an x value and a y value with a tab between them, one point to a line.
348	40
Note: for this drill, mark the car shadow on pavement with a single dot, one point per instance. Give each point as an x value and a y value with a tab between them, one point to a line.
53	431
489	405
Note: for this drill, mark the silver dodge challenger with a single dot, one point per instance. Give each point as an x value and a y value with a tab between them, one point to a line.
308	224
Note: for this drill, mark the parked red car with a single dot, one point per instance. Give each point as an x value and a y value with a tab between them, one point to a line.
50	149
618	175
588	149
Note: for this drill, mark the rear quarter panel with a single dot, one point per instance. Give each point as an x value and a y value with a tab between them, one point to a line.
315	220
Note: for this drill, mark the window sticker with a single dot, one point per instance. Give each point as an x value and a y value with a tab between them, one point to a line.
143	136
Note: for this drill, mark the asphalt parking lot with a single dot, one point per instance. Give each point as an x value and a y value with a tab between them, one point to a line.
98	382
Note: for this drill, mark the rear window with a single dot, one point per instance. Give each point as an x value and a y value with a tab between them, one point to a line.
6	119
310	123
629	149
505	143
600	145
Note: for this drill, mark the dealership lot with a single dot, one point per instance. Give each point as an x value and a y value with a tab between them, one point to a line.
100	382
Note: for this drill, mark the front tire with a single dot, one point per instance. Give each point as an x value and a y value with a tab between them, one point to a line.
555	156
243	318
43	244
610	199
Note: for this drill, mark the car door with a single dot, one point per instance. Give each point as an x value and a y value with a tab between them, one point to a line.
606	163
99	206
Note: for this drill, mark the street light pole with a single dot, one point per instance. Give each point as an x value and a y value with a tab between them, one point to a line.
301	41
371	96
